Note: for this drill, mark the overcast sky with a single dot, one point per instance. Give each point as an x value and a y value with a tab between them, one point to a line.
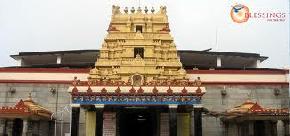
51	25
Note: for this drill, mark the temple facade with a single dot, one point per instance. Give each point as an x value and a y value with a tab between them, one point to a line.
138	83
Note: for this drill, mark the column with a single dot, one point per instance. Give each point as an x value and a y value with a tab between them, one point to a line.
184	120
183	124
173	120
197	121
286	127
90	122
192	123
75	117
99	121
25	127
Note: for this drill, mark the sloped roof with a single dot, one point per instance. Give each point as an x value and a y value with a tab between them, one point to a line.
250	107
252	111
25	109
241	54
189	58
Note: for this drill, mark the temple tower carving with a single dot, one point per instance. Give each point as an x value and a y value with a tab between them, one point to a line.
138	48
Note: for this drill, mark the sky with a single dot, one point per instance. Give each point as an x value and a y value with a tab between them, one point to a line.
53	25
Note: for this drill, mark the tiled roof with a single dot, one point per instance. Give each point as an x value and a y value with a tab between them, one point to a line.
250	107
25	109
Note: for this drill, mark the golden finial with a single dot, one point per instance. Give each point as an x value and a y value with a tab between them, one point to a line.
126	10
132	10
152	10
139	10
146	9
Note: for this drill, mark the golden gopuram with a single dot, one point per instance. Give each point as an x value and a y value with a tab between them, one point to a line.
138	86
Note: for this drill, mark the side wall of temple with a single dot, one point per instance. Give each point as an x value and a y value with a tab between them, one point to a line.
218	98
223	97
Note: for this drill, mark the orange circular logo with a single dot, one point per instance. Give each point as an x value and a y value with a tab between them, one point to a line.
240	13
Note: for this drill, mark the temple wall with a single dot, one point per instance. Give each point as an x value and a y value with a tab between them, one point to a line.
211	126
235	95
213	100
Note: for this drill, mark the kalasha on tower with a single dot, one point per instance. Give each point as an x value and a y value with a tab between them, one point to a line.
138	76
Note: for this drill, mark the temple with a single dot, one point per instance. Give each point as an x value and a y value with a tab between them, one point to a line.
18	119
139	84
254	120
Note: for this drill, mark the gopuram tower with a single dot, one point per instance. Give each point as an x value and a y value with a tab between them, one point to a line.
138	48
138	85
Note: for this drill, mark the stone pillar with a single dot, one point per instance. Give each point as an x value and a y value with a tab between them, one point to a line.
192	123
286	127
25	127
173	120
280	128
197	121
183	124
90	122
99	121
75	117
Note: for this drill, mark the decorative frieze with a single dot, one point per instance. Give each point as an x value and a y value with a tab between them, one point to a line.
128	99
